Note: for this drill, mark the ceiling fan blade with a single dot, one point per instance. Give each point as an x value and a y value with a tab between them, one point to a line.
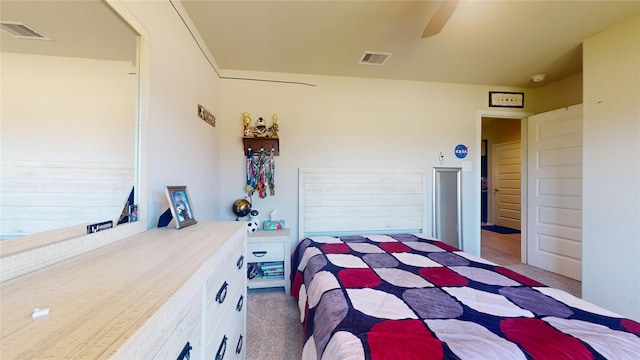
440	18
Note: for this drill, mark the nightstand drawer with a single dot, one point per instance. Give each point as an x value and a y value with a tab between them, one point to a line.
265	252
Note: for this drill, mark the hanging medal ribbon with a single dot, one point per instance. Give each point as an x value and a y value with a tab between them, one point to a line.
250	187
260	172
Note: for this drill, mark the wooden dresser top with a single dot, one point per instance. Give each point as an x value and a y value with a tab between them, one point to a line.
97	301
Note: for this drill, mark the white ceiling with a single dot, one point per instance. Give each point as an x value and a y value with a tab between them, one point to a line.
85	29
484	42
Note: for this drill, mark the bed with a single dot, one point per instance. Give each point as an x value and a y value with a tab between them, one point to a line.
391	294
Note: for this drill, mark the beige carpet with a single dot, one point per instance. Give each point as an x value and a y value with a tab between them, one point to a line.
274	331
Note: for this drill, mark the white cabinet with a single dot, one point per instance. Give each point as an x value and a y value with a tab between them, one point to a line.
271	248
143	297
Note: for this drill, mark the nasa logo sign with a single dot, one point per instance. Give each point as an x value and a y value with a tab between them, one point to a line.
461	151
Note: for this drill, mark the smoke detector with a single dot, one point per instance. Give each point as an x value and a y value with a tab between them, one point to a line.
538	77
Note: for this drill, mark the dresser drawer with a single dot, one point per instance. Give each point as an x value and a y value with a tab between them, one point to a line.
234	299
265	252
224	289
229	338
187	329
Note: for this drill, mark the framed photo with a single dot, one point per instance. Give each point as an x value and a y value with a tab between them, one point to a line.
506	99
133	213
180	206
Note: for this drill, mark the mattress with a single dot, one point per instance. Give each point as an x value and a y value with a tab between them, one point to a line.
407	296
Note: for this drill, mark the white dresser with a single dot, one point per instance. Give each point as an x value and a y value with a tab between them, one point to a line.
144	297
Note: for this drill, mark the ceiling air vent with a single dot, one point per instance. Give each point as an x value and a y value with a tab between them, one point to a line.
374	58
21	30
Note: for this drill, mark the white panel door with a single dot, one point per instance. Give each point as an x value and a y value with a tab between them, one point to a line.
554	191
506	164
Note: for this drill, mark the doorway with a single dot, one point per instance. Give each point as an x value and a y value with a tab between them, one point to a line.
501	188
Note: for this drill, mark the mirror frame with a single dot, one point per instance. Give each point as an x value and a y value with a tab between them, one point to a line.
54	246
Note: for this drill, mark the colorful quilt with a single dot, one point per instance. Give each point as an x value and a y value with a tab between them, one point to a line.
410	297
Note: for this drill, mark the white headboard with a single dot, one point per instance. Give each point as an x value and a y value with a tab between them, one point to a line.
349	201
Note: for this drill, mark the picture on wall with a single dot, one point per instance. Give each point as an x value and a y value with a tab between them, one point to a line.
180	206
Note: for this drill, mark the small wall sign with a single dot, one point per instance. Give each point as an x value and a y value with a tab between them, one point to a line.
207	116
93	228
461	151
506	99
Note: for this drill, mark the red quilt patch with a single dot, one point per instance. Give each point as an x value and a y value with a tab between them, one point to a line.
631	325
531	334
517	277
403	339
358	278
442	276
341	248
394	247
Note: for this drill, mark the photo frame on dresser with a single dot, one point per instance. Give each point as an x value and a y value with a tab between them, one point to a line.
180	205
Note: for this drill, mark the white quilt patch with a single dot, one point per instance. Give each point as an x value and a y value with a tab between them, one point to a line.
380	304
322	282
488	303
416	260
347	261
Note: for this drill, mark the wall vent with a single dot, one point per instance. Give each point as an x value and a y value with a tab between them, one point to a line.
374	58
21	30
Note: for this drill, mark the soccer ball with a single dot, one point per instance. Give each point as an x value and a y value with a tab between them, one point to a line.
252	226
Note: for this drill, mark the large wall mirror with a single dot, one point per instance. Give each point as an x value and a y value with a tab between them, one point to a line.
447	206
69	115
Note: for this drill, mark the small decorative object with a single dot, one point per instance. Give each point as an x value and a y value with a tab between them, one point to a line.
274	222
506	99
274	126
254	223
207	116
461	151
133	213
252	270
241	208
260	130
252	226
246	119
273	225
93	228
180	206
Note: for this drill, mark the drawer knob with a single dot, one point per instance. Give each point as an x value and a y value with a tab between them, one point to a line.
240	262
239	346
240	303
222	293
259	253
222	348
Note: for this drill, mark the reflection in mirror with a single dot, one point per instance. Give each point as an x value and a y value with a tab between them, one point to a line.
447	209
69	115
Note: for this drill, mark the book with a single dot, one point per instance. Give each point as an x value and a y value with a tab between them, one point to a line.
271	264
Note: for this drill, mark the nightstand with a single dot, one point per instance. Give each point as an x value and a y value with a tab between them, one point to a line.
269	257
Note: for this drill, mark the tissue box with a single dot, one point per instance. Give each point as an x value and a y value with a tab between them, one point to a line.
273	225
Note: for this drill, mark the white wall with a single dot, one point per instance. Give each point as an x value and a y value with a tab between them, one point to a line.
611	170
556	95
179	148
67	109
353	122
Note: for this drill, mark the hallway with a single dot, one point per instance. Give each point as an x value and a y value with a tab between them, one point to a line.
504	249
